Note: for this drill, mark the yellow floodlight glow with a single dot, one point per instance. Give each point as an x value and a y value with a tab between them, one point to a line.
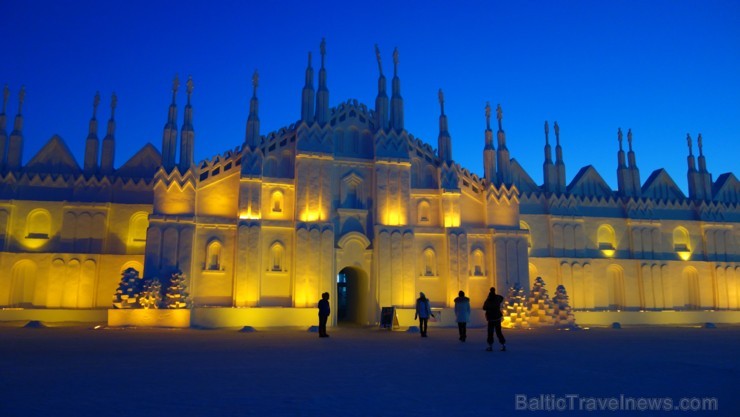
609	253
684	254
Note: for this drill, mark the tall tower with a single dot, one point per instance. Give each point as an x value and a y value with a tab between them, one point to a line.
322	95
187	135
504	162
444	142
15	144
3	132
381	101
92	143
489	152
696	189
169	137
705	178
624	174
307	103
109	141
396	99
635	172
549	172
559	163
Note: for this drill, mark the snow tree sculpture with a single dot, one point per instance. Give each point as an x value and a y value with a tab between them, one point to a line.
151	294
515	308
176	296
540	305
127	294
562	313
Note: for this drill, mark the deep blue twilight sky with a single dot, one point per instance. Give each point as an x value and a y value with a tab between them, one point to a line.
663	68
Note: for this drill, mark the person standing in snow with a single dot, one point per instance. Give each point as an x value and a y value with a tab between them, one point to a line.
423	311
324	310
492	305
462	314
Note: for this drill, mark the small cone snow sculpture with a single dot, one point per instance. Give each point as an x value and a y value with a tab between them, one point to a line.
563	315
176	296
127	294
151	294
515	308
540	305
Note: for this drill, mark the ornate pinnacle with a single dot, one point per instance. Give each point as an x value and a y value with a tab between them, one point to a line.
96	102
175	85
255	80
556	128
488	115
688	142
189	85
699	143
113	104
547	131
499	113
395	56
6	94
629	138
21	98
377	57
322	46
619	137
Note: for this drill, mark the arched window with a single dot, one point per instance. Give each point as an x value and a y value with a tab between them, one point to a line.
605	237
423	211
213	256
137	226
430	262
276	254
615	282
38	224
276	201
478	269
682	243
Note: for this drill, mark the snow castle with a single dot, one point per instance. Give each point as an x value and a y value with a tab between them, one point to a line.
347	201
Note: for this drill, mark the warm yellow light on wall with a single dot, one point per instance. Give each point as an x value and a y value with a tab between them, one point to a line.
248	215
310	216
393	218
609	253
452	220
684	254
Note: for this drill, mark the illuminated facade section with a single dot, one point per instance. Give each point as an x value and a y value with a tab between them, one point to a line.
270	225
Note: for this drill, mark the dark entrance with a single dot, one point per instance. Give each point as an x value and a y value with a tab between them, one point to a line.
351	296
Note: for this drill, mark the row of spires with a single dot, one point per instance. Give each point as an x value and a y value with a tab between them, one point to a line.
92	148
11	150
187	134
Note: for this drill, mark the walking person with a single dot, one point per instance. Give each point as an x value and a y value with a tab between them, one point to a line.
324	311
462	314
492	305
423	311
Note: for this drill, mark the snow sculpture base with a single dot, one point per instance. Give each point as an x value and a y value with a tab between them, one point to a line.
141	317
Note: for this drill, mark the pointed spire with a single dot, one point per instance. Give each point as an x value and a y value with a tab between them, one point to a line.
503	160
548	168
322	95
489	152
705	178
3	126
307	99
691	161
109	143
559	163
381	101
621	159
15	144
187	134
169	137
624	174
702	160
444	142
634	171
630	154
548	148
252	138
92	143
397	122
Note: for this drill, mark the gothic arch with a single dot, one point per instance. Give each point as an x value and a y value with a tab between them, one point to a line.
277	257
213	255
137	226
424	212
430	262
606	237
277	201
38	224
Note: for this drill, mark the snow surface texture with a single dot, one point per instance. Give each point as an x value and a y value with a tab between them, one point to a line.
357	372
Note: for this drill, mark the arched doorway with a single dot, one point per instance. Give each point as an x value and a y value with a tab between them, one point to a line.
352	296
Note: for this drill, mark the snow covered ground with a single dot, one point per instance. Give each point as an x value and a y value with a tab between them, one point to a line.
357	372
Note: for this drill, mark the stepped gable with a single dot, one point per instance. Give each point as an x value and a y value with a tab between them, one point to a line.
588	182
727	189
523	181
143	164
53	158
660	186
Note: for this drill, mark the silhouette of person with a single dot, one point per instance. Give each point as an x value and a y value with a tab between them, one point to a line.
324	310
492	305
462	314
423	311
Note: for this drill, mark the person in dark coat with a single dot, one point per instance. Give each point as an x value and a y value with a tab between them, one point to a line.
423	311
324	310
492	305
462	314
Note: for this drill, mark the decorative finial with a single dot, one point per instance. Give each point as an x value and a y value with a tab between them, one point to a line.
547	131
700	144
113	104
96	102
629	139
255	80
441	96
21	98
688	142
175	85
499	113
488	115
6	94
322	47
619	137
189	85
377	56
556	128
395	56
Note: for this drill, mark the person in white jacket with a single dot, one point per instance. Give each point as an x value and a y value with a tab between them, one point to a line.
462	314
423	311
